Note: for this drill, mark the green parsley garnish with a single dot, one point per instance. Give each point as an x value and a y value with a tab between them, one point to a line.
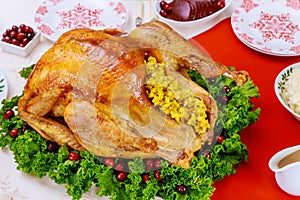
32	156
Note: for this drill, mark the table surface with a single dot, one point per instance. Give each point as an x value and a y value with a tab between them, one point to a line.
275	130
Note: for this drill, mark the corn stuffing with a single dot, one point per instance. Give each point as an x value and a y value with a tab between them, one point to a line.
177	102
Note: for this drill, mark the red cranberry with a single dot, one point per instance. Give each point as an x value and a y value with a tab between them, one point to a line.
22	26
167	7
109	162
8	114
73	156
24	128
13	34
25	41
52	146
20	36
15	42
163	13
20	30
157	175
7	31
221	4
14	28
119	166
226	88
7	39
181	189
224	99
206	154
121	176
149	164
220	139
145	177
157	164
162	4
30	35
4	34
14	133
28	29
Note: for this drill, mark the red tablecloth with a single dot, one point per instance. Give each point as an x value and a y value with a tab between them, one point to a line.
276	128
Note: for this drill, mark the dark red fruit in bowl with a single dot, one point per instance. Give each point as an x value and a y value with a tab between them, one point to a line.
163	13
15	42
18	35
7	39
25	41
14	28
221	4
28	29
13	34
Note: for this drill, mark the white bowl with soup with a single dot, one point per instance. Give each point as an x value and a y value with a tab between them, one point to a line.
286	166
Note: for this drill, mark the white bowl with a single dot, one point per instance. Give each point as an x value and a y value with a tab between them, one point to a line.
21	51
279	84
188	24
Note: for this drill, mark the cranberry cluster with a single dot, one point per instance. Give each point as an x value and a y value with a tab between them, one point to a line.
18	35
166	8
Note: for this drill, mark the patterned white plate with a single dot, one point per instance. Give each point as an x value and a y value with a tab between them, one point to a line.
54	17
269	26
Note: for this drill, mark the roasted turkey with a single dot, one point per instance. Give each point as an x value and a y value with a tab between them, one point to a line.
90	91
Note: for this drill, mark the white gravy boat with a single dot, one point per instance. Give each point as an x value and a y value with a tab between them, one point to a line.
287	175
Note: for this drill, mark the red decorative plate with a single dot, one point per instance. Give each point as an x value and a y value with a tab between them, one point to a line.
54	17
271	27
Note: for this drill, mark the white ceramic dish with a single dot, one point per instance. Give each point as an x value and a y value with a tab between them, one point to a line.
188	24
287	176
52	18
279	84
21	51
271	27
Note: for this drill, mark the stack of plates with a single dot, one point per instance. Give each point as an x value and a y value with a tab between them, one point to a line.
271	27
